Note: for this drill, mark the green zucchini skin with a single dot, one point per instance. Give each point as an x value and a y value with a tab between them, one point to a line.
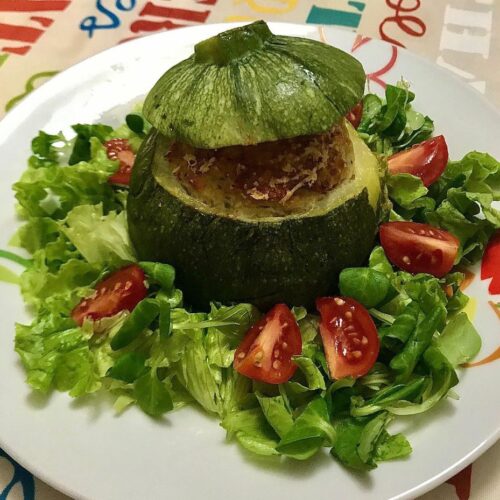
229	260
277	87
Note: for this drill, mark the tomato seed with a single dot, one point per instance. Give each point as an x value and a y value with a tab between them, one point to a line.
348	315
276	364
284	345
406	260
339	301
241	355
357	354
364	340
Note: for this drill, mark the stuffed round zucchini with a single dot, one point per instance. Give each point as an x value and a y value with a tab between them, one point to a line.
251	183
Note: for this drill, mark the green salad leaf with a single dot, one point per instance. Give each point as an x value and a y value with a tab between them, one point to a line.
110	244
308	432
161	274
460	201
46	150
151	395
56	354
253	432
393	125
277	414
128	367
313	375
365	284
163	355
84	133
459	341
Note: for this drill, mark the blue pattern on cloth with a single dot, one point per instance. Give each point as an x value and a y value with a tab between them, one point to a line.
22	476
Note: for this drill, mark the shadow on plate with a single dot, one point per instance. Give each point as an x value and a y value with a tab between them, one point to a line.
38	400
411	424
297	470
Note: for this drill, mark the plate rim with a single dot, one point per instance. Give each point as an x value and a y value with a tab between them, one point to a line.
37	97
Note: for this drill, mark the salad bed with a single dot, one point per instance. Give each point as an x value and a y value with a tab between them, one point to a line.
164	355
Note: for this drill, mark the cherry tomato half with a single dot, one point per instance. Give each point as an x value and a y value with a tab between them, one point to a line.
266	351
354	116
349	336
122	290
490	265
419	248
426	160
119	149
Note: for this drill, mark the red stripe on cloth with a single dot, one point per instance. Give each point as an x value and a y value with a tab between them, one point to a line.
19	33
462	483
44	21
139	26
16	50
150	9
32	5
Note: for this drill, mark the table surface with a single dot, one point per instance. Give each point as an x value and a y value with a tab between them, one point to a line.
460	35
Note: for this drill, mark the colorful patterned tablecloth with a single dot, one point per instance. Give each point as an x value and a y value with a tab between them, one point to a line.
39	38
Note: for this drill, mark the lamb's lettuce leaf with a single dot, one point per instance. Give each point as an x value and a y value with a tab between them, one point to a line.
361	443
309	432
459	341
392	125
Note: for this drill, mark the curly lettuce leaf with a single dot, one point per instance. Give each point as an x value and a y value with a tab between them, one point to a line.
110	243
56	189
56	354
47	149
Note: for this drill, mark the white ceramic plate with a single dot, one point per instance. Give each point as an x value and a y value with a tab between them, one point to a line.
83	449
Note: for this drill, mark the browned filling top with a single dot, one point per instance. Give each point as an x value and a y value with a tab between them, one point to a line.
268	173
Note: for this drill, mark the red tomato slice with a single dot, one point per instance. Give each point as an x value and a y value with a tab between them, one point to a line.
349	336
419	248
490	264
122	290
426	160
266	351
119	149
354	116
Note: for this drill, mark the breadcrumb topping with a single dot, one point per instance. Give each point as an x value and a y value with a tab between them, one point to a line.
272	172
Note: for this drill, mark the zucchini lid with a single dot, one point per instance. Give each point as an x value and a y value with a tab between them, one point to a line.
247	86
